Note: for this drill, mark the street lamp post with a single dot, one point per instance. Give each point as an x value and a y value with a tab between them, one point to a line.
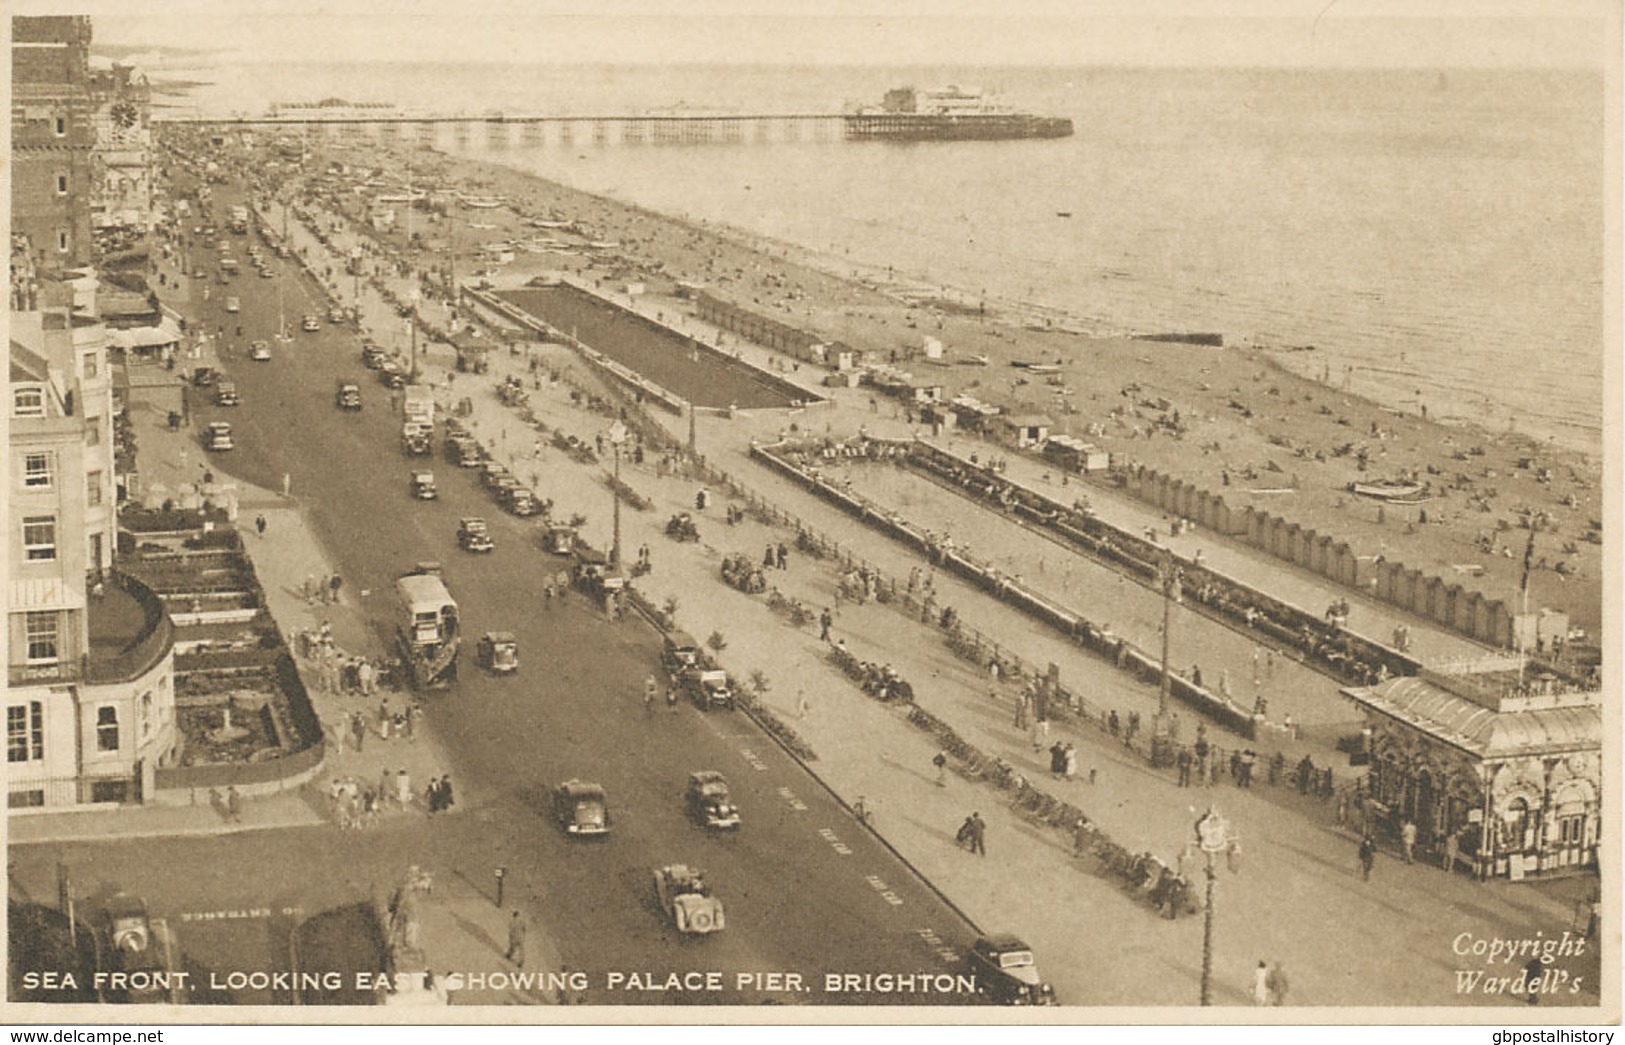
1213	838
412	323
617	436
1171	577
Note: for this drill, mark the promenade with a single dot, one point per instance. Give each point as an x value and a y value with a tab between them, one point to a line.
1297	897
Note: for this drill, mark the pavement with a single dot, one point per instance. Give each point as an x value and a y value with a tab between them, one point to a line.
1297	898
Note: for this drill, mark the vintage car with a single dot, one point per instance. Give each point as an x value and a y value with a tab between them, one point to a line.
581	808
1006	972
709	802
416	440
225	394
337	314
687	900
204	376
708	689
347	396
559	540
143	949
372	357
392	374
267	272
498	652
310	324
680	527
493	471
218	436
679	653
260	351
472	535
422	486
234	305
521	502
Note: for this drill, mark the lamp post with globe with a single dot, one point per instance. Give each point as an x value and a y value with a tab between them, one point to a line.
1214	838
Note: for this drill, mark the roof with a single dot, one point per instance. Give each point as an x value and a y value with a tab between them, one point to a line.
1481	731
1027	421
419	588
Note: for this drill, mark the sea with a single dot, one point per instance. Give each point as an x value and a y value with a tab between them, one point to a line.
1419	236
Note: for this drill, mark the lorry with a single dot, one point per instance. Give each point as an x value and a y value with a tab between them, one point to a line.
427	627
418	404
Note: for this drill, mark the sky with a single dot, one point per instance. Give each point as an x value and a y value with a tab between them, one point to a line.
1453	33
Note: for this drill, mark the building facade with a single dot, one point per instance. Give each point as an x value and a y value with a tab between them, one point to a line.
1507	765
53	137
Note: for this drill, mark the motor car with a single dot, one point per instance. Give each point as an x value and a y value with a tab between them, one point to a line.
391	374
470	454
228	265
687	900
310	324
491	472
422	486
559	540
709	801
260	351
347	396
498	652
337	314
472	535
234	305
708	688
218	436
522	502
1006	972
205	376
372	357
416	439
679	652
267	272
581	808
502	487
225	394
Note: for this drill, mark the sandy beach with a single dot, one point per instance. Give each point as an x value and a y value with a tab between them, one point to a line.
1236	420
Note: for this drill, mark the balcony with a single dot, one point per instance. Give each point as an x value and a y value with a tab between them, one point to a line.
129	631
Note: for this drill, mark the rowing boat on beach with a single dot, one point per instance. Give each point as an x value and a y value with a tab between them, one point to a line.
1395	490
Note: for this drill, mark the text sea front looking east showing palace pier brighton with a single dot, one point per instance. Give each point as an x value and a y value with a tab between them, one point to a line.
1154	560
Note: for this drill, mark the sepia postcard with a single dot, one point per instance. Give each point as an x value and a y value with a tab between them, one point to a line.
1023	513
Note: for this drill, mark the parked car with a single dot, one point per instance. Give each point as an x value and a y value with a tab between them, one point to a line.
522	502
423	488
679	653
709	689
391	374
218	436
347	396
337	314
581	808
1005	970
372	357
260	351
472	535
204	377
225	394
415	439
709	802
310	324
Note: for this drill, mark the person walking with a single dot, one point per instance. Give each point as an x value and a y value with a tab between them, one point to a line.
1080	836
259	524
941	764
825	619
962	837
978	834
783	556
517	930
1069	762
1407	839
1368	856
403	789
1261	983
234	805
1452	847
1277	984
446	799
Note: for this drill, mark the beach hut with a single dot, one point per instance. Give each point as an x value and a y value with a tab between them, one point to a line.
1024	430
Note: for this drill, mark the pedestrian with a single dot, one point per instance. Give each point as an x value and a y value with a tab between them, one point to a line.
1277	984
1069	762
517	930
433	794
1368	856
334	583
978	834
259	524
234	806
1407	839
825	619
941	764
671	699
1113	724
963	836
1080	835
384	718
358	731
1022	702
1261	983
403	789
1452	846
367	676
783	556
768	558
287	483
446	800
547	595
